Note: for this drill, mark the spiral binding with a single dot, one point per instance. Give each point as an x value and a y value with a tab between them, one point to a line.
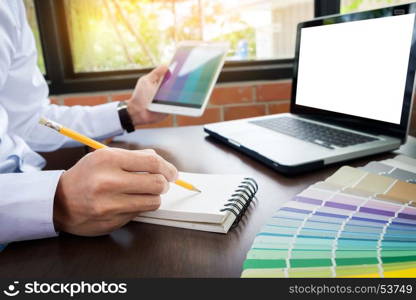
241	199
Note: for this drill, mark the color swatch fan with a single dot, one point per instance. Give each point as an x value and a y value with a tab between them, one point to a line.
354	224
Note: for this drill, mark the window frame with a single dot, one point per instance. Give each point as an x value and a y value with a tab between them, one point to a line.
62	79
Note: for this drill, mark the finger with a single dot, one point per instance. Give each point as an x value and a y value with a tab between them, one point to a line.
158	73
121	220
103	227
143	161
158	116
149	150
133	183
134	204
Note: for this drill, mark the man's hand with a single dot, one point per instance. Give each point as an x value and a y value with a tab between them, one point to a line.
102	192
142	96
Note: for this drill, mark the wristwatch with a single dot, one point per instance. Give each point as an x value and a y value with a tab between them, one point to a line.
124	116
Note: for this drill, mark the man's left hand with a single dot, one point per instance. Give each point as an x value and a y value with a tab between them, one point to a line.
142	96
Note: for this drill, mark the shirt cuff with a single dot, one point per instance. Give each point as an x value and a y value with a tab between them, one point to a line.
109	124
26	205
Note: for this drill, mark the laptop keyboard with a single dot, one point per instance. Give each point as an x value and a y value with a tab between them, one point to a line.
324	136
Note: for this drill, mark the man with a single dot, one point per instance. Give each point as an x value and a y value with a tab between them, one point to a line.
103	191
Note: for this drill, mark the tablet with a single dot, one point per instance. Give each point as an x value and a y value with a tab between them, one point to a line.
193	72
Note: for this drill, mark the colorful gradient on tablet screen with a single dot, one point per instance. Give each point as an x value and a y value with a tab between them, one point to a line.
190	76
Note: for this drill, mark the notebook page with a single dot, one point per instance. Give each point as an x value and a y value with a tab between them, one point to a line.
184	205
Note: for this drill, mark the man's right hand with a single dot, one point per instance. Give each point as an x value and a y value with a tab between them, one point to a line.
103	191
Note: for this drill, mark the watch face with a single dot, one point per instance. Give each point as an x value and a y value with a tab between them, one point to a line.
122	105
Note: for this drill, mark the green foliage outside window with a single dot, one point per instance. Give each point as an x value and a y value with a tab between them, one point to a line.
131	34
108	35
31	17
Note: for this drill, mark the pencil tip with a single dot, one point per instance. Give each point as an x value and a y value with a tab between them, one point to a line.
196	190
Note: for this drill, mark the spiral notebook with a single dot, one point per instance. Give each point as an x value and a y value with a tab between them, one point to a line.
221	204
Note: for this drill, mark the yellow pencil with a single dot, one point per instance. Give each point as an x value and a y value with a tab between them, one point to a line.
95	145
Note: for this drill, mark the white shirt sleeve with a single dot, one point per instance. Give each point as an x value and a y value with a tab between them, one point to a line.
26	205
26	193
98	122
7	47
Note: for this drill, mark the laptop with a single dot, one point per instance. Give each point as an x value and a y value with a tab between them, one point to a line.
352	94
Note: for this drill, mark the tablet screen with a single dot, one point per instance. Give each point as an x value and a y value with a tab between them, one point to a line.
191	75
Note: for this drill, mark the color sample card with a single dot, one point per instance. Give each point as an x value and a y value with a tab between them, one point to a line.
392	168
402	161
390	171
354	224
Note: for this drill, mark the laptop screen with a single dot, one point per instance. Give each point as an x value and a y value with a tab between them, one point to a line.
356	68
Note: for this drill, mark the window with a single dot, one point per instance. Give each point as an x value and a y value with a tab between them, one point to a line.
33	23
107	44
110	35
348	6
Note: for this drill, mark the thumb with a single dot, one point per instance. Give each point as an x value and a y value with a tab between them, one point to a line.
158	73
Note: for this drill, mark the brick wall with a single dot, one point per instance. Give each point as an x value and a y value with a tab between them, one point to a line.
228	102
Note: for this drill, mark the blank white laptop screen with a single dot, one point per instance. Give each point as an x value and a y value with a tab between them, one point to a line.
357	68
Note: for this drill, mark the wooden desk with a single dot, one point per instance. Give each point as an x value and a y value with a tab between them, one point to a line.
143	250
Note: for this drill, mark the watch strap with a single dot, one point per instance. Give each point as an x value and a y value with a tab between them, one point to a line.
125	119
